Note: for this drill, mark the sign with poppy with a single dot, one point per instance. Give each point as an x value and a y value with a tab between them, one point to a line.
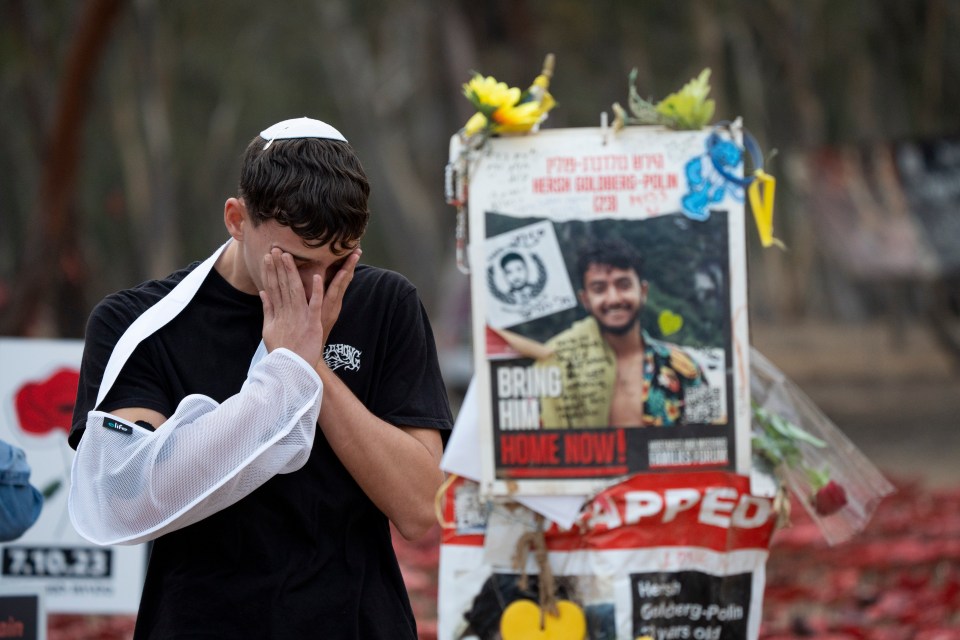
38	386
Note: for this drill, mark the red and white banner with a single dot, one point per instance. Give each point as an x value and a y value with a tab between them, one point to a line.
662	555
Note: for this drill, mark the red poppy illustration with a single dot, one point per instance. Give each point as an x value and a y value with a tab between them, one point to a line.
48	405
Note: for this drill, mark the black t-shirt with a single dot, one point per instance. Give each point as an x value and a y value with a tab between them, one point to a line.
307	555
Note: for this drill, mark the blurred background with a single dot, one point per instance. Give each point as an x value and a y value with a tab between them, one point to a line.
123	123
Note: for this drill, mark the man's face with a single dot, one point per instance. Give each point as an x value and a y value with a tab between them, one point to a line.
261	239
614	296
515	272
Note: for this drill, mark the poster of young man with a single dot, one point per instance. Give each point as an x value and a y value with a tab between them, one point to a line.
609	298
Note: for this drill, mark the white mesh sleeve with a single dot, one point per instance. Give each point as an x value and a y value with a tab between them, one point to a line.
130	485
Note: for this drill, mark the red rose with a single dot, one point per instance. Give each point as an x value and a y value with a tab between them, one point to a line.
829	499
48	405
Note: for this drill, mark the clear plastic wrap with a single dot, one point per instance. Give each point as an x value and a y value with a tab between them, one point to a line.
806	452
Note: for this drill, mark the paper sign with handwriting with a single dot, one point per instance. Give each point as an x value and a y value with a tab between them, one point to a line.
608	277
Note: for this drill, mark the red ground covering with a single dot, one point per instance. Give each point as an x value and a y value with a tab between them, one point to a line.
897	580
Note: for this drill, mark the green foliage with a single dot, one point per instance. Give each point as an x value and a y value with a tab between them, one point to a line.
644	111
688	108
778	440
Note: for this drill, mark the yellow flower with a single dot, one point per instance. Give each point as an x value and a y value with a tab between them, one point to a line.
689	108
488	95
521	117
504	109
475	124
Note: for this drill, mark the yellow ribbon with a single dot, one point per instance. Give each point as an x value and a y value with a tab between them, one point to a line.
761	192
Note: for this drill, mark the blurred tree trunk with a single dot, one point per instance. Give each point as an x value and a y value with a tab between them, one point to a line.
38	81
390	103
51	267
931	85
785	35
154	65
141	121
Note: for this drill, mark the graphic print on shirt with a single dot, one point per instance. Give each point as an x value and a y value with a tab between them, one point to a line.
342	356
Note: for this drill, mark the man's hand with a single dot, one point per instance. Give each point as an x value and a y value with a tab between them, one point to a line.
288	320
333	295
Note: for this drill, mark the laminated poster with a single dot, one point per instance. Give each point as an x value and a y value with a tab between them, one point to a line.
608	279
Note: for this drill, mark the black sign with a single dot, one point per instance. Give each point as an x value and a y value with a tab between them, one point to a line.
57	562
690	605
20	617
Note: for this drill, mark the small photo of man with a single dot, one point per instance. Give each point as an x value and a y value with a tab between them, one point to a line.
517	274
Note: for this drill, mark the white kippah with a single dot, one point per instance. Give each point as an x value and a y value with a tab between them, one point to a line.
300	128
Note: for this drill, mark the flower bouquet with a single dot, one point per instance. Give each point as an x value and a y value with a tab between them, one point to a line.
806	453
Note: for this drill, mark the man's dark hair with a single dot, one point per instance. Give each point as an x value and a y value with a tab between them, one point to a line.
610	252
510	257
315	186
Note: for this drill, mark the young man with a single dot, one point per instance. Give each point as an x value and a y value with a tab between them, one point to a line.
266	472
613	373
517	275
